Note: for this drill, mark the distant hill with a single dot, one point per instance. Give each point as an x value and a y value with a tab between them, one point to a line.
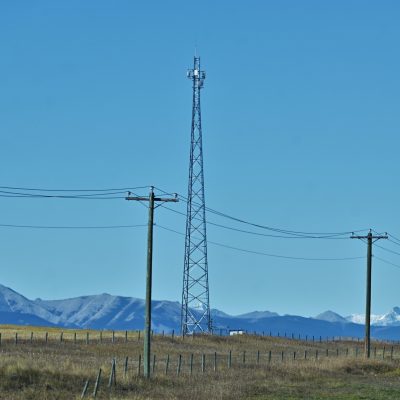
105	311
331	316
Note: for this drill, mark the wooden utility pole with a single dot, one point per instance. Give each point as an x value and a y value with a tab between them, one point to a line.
370	239
147	327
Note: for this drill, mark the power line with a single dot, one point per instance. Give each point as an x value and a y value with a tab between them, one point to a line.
388	250
97	196
73	190
392	241
70	227
266	254
387	262
258	233
292	233
91	194
396	240
112	194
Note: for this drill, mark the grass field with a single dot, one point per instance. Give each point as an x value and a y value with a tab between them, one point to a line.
260	367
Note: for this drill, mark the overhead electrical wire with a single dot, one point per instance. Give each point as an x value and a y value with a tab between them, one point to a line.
387	262
86	194
253	232
71	226
395	241
311	235
388	250
263	253
92	196
73	190
112	193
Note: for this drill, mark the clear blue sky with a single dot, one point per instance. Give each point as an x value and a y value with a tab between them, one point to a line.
301	131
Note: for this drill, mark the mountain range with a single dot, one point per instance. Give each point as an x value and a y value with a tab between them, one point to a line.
105	311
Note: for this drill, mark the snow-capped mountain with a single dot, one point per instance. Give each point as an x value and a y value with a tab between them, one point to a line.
392	318
106	311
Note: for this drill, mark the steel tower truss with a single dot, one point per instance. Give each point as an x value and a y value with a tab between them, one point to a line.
195	316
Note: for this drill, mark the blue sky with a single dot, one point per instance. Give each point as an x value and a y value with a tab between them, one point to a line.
300	122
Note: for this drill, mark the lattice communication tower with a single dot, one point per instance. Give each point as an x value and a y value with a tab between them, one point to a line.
195	316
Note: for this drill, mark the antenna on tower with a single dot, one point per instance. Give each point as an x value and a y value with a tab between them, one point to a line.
195	316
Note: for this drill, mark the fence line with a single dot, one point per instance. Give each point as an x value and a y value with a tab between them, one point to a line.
215	363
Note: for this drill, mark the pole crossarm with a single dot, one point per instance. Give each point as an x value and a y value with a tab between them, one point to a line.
370	240
156	199
372	236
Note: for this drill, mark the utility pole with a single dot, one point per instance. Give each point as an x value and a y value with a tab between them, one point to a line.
370	240
147	327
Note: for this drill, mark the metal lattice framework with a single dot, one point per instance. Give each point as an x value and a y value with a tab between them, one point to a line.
195	316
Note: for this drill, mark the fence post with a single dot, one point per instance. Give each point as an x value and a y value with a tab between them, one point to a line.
215	361
97	384
31	337
126	366
316	354
269	356
85	389
61	336
356	352
114	366
282	356
0	338
113	336
294	355
337	352
230	359
305	354
391	353
258	357
139	364
167	365
111	380
327	352
173	333
203	363
383	352
87	337
191	364
126	336
154	364
16	338
375	352
101	337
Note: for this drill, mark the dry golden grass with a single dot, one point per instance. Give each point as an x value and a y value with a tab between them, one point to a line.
59	369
